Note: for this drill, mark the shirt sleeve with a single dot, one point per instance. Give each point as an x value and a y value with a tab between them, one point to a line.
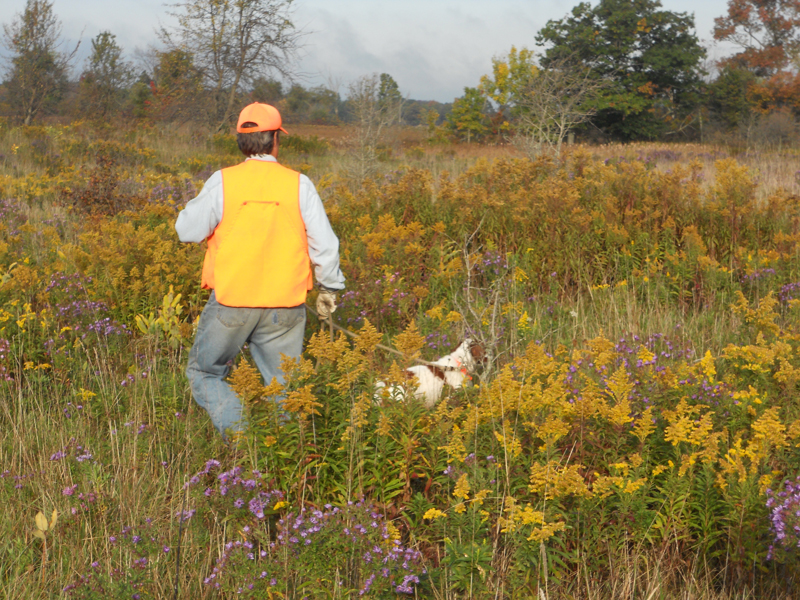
202	214
323	245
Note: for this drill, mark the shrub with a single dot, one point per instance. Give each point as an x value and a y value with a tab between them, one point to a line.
103	193
297	144
134	259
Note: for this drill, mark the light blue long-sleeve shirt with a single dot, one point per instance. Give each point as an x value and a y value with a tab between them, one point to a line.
202	214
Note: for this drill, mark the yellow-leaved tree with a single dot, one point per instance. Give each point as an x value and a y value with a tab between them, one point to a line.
511	78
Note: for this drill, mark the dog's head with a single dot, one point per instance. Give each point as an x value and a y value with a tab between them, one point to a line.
473	354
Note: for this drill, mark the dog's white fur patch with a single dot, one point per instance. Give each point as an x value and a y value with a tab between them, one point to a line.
455	371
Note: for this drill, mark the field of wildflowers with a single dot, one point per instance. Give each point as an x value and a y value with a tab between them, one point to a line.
634	432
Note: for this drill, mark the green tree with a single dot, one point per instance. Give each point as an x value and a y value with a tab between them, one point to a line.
267	90
37	73
297	103
317	105
232	43
652	56
324	106
420	112
467	120
177	90
105	81
389	97
728	95
141	95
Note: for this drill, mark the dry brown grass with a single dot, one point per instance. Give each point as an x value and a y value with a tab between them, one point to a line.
775	169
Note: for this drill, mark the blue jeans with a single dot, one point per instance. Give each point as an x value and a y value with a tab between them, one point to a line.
221	333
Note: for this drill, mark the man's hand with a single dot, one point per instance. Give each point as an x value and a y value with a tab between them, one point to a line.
326	304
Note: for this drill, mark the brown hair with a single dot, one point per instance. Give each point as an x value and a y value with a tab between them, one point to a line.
258	142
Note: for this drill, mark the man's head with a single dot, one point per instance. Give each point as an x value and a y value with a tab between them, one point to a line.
257	129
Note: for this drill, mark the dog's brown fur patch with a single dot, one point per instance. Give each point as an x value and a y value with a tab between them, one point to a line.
436	371
477	351
409	375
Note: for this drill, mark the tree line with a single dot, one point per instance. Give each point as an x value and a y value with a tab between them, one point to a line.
630	70
619	70
218	56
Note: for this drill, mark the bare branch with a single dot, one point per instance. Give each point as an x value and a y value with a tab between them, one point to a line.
232	43
373	116
556	101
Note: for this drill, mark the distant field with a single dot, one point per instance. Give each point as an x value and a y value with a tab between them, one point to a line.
774	169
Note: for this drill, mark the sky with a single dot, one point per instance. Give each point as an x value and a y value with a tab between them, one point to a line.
432	48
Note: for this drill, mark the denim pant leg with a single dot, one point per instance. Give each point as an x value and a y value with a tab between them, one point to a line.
279	331
221	333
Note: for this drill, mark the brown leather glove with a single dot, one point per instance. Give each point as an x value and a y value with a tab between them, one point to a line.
326	304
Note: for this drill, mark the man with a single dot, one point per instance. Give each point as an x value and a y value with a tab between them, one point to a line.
265	226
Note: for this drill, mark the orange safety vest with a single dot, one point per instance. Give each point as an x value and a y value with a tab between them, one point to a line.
258	254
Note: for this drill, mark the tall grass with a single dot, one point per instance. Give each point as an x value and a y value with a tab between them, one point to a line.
638	305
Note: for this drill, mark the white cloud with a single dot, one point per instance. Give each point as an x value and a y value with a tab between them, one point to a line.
433	48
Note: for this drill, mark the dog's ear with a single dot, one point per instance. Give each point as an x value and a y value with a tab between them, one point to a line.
477	352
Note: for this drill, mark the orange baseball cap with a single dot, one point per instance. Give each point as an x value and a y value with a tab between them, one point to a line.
266	118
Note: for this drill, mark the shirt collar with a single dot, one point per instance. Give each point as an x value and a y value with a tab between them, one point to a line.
265	157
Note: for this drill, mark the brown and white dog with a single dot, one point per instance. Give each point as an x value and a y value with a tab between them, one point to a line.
452	370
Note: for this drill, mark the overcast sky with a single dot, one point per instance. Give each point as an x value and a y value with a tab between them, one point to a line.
432	48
